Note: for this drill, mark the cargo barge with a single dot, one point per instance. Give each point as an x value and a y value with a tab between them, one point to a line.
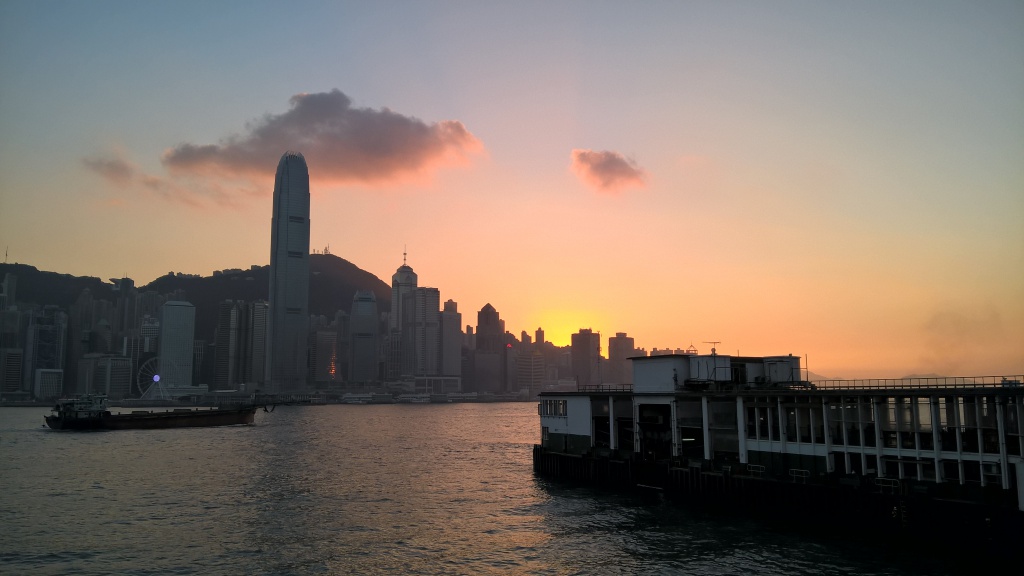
749	434
90	412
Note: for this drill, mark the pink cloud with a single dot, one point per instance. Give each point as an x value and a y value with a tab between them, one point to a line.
341	144
606	171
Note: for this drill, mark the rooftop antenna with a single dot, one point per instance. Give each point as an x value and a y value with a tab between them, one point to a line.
404	250
714	363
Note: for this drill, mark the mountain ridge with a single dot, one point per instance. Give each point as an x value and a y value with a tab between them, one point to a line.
333	282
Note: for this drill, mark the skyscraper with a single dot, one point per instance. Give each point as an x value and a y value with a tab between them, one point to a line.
451	339
402	337
288	323
586	357
177	339
427	331
620	369
363	337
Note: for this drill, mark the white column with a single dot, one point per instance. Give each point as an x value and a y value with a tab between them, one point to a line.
981	444
613	440
741	427
675	429
830	465
636	426
706	425
1001	429
936	439
959	440
879	467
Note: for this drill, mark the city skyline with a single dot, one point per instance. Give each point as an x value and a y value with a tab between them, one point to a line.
837	182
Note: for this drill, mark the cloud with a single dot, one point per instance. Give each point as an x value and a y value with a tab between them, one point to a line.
116	170
606	171
341	144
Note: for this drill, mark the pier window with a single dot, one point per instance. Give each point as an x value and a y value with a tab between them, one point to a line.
905	425
817	421
804	422
887	412
947	427
751	423
969	426
851	420
924	424
554	408
775	424
867	420
790	414
991	472
928	471
835	422
1012	425
989	424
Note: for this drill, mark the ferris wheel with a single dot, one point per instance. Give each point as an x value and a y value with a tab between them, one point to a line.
155	378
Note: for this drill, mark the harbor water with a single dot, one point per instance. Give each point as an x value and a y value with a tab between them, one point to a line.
374	489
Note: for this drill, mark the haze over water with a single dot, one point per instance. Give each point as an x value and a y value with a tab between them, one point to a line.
388	489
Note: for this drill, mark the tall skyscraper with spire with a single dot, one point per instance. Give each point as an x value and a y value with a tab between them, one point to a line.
288	322
401	322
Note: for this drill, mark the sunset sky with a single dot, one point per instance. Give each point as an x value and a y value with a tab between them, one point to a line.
837	180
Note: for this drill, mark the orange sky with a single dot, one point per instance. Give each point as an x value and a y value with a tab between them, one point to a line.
840	183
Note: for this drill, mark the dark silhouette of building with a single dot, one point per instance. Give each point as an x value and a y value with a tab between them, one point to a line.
586	357
288	325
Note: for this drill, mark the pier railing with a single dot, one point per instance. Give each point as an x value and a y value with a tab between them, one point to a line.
931	382
605	388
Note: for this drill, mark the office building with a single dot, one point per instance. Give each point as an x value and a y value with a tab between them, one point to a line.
288	324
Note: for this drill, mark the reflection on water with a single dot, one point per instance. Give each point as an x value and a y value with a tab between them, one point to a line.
417	489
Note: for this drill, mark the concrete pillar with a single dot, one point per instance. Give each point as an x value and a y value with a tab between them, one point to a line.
613	437
706	426
827	436
741	426
675	429
636	426
936	439
959	438
879	467
1001	429
981	445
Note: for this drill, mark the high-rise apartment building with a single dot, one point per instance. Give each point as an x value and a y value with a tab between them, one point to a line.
364	341
586	357
451	340
490	359
620	349
288	325
427	331
229	344
177	340
45	343
256	365
402	345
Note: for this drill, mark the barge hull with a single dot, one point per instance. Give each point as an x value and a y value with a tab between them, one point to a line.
156	420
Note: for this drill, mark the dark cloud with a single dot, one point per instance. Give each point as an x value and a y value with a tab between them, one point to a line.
115	170
605	170
341	143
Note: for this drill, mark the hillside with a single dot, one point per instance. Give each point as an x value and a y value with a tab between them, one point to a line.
333	281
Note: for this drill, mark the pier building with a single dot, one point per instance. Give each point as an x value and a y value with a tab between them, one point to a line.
749	431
